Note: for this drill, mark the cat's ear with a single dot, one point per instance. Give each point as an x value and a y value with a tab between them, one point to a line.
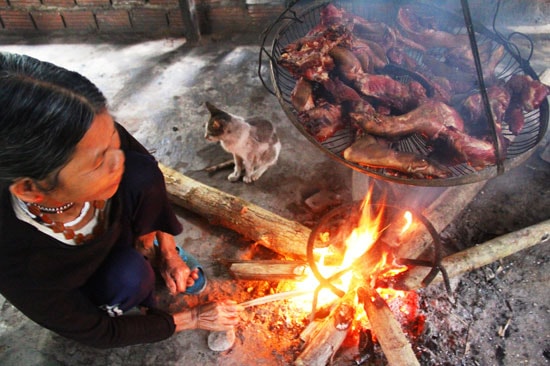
211	108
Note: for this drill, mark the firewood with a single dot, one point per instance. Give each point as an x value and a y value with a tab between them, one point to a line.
268	270
479	255
283	236
386	328
327	337
220	166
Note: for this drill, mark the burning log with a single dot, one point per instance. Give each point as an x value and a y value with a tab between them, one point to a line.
478	256
283	236
328	336
386	328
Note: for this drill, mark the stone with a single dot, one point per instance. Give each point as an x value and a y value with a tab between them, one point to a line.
221	341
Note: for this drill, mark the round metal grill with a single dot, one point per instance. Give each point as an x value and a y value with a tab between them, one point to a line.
291	26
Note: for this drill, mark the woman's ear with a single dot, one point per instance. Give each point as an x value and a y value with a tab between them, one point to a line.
26	190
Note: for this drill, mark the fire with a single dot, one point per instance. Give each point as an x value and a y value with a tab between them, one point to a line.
365	235
360	240
338	252
408	221
382	270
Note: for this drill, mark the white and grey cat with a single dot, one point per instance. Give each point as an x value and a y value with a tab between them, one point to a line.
252	141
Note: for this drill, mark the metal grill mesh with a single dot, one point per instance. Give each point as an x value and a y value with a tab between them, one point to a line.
296	26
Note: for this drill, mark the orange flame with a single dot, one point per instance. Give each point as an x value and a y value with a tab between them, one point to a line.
408	221
360	240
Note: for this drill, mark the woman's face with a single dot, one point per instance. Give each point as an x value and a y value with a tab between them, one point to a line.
96	168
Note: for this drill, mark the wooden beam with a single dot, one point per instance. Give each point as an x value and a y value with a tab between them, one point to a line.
327	337
440	213
286	237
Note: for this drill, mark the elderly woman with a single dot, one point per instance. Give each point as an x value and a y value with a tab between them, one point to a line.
78	194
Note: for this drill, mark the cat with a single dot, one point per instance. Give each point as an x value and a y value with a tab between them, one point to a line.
252	141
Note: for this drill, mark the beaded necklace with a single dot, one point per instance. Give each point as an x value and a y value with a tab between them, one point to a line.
53	210
38	215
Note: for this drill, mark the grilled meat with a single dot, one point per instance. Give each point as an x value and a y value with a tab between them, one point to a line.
433	120
373	153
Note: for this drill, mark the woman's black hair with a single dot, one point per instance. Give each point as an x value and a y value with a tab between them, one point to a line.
45	110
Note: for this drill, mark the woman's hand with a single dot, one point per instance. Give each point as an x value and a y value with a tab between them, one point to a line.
176	273
172	268
214	316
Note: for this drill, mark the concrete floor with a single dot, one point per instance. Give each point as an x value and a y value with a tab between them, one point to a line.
157	90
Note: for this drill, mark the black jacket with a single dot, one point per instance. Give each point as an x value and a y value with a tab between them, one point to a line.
42	277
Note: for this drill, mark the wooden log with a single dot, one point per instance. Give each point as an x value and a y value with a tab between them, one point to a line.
386	328
283	236
268	270
327	337
479	255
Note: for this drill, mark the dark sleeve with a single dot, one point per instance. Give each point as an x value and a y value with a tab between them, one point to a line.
145	200
143	190
71	315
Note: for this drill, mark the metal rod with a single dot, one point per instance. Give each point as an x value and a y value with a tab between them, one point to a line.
482	89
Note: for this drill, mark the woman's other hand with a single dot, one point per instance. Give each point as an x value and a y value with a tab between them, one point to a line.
213	316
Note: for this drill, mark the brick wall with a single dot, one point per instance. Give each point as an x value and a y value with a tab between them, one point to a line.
90	16
164	17
147	17
230	16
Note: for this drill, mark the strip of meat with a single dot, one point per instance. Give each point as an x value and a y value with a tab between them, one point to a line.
463	58
308	56
527	92
340	91
393	93
429	119
433	120
370	152
515	119
476	152
424	30
323	120
460	81
301	96
499	100
371	56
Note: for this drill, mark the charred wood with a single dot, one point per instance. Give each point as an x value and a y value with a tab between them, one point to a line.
386	328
